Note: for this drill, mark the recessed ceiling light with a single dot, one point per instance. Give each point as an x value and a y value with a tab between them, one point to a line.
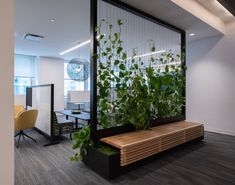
191	34
52	20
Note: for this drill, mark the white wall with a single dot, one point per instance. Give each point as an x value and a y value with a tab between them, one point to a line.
50	71
211	82
7	94
20	99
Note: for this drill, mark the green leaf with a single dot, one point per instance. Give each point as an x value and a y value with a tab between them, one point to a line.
167	68
136	66
95	56
101	36
122	67
124	56
118	79
121	74
110	57
116	35
116	62
104	54
101	66
106	73
120	22
153	49
119	49
118	85
108	49
120	42
102	77
106	83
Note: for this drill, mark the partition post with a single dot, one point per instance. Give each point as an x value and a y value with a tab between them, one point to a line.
93	69
183	61
52	111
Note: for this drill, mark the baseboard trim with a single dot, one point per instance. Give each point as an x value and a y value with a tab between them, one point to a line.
220	131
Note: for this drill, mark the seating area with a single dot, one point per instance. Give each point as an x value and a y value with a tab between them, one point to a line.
138	145
62	126
117	92
18	109
24	119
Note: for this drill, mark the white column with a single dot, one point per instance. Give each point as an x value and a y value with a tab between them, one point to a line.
6	93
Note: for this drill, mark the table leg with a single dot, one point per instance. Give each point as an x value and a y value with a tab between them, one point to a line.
76	122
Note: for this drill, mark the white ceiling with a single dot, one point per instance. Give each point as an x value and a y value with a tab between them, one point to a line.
217	9
173	14
72	25
73	19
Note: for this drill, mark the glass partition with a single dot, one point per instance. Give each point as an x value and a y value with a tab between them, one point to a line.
41	98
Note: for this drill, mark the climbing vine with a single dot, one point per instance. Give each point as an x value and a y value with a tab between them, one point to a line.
129	92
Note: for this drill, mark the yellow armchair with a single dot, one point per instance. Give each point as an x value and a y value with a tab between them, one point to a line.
25	120
18	109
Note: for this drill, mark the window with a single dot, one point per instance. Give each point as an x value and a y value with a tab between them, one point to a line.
20	84
72	85
24	73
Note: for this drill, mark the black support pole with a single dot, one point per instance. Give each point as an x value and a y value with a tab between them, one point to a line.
93	69
183	60
52	111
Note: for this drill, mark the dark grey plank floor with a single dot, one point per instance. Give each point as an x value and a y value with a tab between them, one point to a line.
211	162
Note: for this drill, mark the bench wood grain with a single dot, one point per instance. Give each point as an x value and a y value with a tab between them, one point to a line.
138	145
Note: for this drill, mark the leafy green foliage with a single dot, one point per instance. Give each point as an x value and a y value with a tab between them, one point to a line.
142	92
83	142
105	149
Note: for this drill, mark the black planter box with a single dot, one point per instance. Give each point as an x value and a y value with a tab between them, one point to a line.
107	166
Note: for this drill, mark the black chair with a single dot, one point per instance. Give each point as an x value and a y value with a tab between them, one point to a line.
62	126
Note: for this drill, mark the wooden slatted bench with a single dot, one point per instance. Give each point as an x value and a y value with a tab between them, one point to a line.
138	145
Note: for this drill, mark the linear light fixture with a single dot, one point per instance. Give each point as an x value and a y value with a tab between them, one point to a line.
76	47
147	54
88	41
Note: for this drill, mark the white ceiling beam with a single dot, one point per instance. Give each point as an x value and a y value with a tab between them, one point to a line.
201	13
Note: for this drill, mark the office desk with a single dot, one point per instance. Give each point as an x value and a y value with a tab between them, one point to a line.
82	116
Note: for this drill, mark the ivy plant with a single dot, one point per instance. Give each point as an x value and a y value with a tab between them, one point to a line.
129	92
82	141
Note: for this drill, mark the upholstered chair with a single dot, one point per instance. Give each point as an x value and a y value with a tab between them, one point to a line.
23	121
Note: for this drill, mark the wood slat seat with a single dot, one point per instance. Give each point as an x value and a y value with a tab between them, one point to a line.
138	145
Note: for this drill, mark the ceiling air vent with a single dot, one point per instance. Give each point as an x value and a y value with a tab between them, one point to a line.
33	37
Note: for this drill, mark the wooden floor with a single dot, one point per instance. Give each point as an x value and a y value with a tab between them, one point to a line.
211	162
